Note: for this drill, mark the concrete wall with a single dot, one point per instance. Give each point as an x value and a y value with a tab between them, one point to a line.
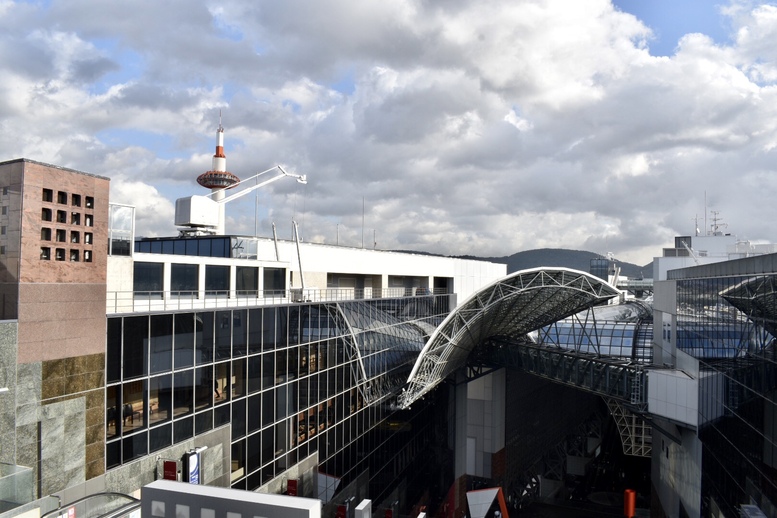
215	463
676	471
52	417
479	424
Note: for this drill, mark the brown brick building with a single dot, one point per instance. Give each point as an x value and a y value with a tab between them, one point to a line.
53	257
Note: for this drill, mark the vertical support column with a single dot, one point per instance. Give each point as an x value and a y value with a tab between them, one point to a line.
460	438
166	278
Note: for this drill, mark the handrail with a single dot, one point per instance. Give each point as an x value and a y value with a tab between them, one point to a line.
147	301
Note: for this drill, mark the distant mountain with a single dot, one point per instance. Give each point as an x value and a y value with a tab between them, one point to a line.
562	257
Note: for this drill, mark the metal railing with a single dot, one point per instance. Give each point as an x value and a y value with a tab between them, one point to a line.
148	301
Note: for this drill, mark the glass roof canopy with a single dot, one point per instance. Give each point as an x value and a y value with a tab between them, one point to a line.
511	307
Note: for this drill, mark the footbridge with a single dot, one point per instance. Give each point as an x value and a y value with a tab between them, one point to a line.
494	324
497	327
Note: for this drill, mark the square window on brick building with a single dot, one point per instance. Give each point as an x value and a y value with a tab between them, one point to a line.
61	235
45	234
88	238
75	200
48	195
45	253
75	218
75	237
89	202
62	197
61	216
59	254
89	220
4	211
74	255
45	214
87	256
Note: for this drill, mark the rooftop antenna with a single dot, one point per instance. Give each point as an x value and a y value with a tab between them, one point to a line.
716	224
705	211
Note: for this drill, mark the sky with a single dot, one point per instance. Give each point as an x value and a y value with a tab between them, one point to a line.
460	127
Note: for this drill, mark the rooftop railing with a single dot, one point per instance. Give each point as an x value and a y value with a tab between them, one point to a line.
150	301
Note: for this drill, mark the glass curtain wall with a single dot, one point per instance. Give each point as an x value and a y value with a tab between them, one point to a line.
727	323
290	380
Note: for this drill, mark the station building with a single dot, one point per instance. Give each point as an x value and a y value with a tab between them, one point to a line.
340	374
273	359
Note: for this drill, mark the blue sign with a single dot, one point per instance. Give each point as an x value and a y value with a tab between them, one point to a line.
194	468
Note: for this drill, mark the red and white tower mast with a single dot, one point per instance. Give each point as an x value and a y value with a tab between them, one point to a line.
218	179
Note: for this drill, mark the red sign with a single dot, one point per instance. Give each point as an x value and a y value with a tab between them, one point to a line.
341	512
291	487
170	470
389	513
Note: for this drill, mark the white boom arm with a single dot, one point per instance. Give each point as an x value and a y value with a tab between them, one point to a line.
300	179
203	214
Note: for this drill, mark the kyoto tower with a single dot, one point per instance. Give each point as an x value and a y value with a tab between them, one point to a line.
218	179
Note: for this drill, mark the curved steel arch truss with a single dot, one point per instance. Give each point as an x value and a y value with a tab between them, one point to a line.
511	307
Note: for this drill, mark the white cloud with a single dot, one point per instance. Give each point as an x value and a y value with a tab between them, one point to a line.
467	127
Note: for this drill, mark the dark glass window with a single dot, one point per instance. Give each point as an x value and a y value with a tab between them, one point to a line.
268	370
238	419
223	335
184	340
204	337
183	429
216	279
134	446
268	450
238	386
203	422
254	373
274	281
204	248
183	391
239	332
269	324
183	278
160	437
161	343
134	405
246	281
254	452
254	330
113	351
268	407
148	278
204	387
238	461
112	454
135	346
254	415
221	415
160	399
112	413
222	383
